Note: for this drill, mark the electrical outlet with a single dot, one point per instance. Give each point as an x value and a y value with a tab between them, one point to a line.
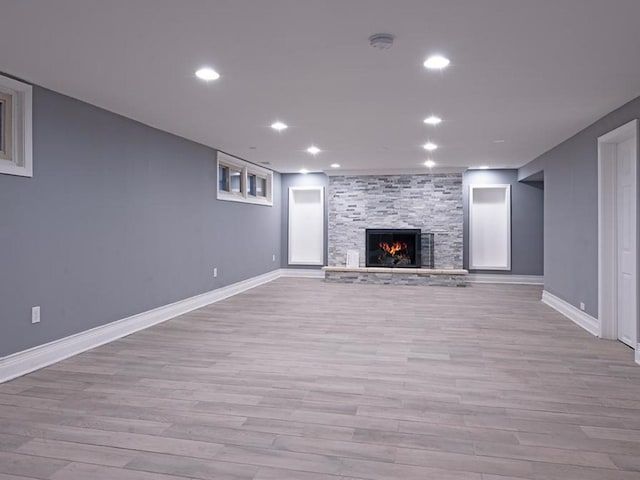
581	305
274	257
35	315
215	272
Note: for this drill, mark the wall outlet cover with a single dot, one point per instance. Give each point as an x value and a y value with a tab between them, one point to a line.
35	315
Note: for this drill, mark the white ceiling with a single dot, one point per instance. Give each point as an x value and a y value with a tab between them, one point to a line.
529	72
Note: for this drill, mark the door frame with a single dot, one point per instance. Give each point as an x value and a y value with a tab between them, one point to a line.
607	228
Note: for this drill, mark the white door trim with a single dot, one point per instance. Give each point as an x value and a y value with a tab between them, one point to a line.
607	231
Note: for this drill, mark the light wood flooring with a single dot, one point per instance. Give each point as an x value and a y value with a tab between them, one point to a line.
304	380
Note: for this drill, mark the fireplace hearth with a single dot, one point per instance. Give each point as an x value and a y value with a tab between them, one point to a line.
393	247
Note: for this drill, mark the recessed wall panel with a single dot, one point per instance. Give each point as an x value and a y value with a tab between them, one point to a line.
306	225
490	227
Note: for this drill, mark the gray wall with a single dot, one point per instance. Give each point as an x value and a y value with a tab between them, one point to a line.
119	218
432	203
526	220
301	180
571	210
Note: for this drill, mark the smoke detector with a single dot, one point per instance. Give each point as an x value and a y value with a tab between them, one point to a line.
381	41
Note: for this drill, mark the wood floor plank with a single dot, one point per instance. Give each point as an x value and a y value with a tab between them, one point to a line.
84	471
467	463
192	467
76	452
339	448
306	380
266	473
4	476
545	454
29	465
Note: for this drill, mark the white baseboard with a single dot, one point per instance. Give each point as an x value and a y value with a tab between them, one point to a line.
301	272
497	278
27	361
21	363
577	316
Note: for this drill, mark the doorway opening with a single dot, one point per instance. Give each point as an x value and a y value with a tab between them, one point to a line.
617	234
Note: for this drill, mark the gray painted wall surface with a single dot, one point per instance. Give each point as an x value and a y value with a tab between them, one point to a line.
571	211
527	203
301	180
119	218
531	170
432	203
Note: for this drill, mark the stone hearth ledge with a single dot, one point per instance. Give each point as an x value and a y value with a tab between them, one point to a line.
397	276
398	270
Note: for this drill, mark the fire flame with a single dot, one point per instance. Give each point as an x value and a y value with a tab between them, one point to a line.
394	248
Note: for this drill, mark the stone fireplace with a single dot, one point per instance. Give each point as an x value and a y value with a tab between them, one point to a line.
430	202
363	207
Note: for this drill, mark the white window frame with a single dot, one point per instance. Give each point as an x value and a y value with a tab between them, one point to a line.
18	159
246	169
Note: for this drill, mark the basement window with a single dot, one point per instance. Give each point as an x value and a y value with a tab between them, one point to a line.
251	178
15	128
257	186
241	181
261	187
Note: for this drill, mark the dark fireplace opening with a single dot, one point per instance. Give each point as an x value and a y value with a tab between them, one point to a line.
393	247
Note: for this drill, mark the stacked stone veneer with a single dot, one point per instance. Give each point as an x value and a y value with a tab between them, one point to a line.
432	203
395	278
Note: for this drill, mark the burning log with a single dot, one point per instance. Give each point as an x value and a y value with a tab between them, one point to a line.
394	248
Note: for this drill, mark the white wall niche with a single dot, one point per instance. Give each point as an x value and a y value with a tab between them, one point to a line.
490	227
306	226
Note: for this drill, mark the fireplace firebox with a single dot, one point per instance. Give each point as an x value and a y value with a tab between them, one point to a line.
391	247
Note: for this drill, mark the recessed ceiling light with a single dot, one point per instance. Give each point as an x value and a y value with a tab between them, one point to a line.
207	74
430	146
436	62
279	126
484	167
498	141
430	163
313	150
335	165
432	120
303	171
